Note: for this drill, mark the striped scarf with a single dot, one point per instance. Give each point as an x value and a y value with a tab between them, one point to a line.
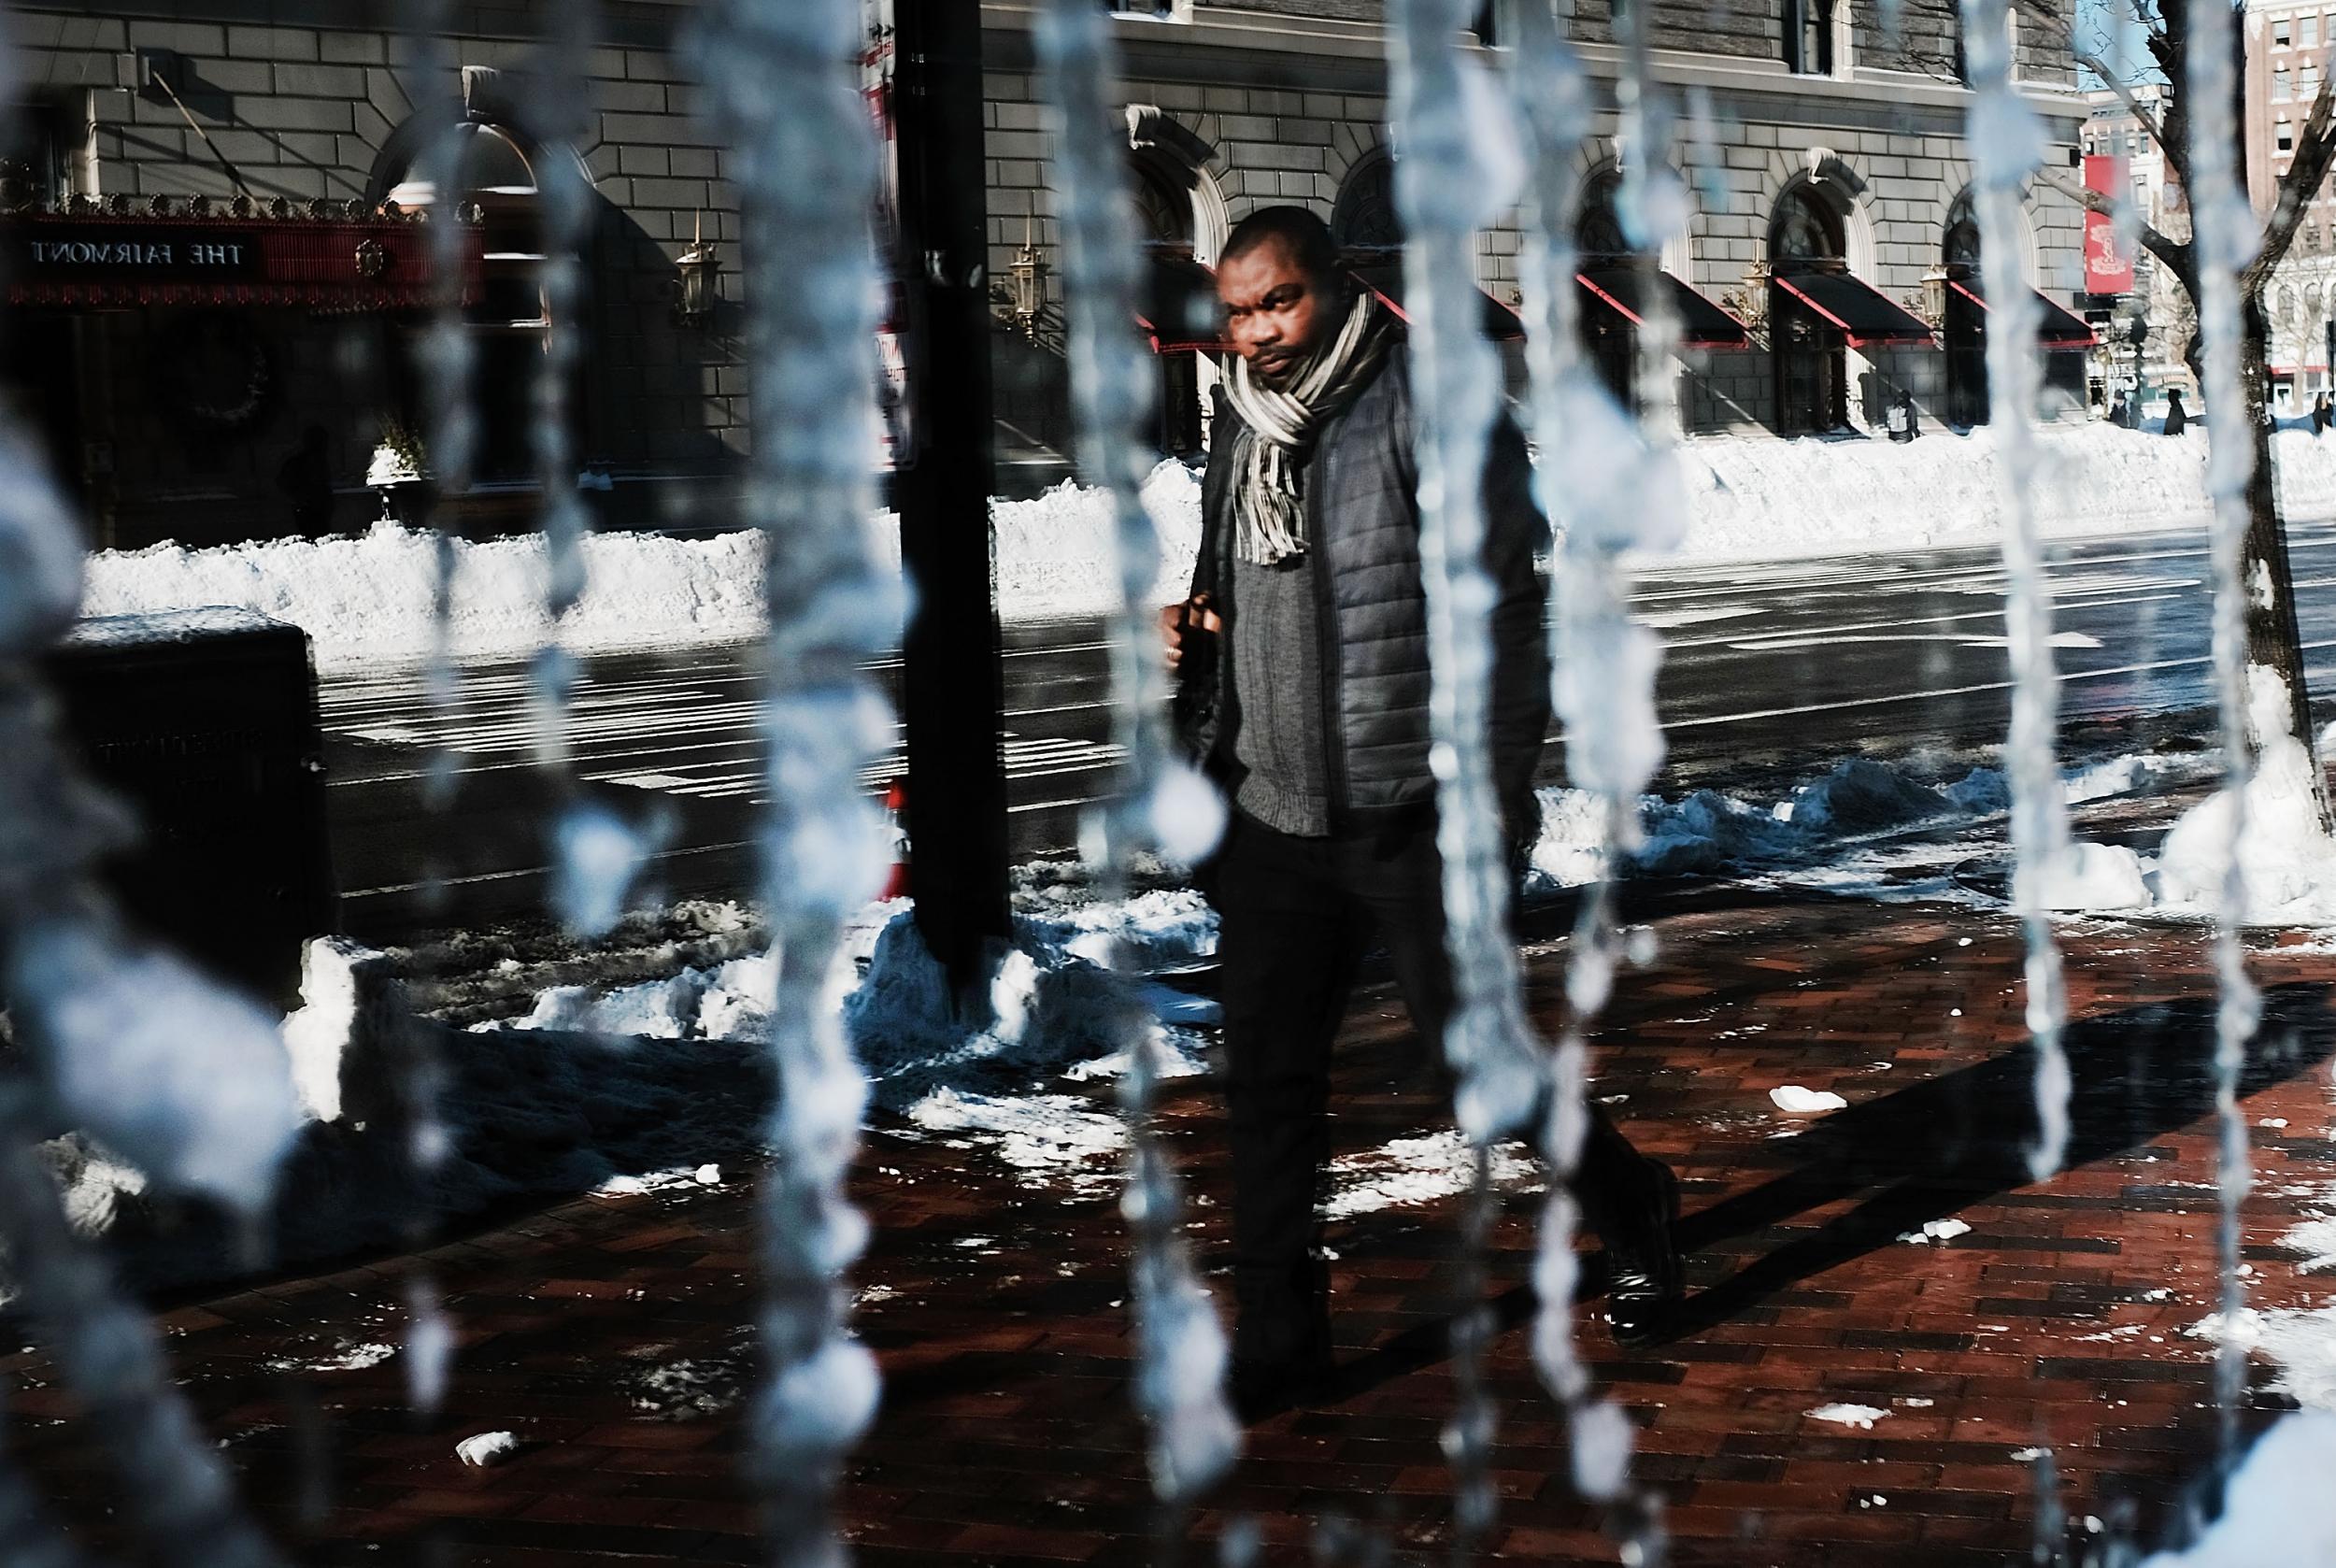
1279	426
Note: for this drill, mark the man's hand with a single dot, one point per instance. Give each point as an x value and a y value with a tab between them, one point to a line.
1196	615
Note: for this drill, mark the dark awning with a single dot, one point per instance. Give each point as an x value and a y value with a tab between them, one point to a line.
2059	329
1702	323
1178	311
324	256
1869	317
1385	279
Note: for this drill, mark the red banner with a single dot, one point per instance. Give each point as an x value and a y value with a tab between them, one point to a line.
2108	261
116	259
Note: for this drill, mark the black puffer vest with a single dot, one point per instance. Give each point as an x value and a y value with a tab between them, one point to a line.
1363	527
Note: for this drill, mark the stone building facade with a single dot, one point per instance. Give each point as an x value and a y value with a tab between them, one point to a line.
1819	147
1805	116
174	421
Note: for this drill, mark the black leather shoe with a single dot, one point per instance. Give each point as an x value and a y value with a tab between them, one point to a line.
1644	1281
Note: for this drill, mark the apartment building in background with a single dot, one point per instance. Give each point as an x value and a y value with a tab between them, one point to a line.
2286	60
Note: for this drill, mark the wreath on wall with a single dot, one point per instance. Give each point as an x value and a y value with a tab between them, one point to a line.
213	372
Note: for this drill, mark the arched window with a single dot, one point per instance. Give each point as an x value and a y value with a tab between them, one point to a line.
1364	216
1163	215
1598	232
1961	247
1805	230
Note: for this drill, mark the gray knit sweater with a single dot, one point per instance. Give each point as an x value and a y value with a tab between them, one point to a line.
1275	631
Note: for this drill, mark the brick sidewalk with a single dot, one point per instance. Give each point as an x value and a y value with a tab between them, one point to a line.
607	1334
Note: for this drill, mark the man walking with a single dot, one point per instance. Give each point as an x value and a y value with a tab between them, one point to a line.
1302	658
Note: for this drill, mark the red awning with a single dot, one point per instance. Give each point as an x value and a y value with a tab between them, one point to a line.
1866	316
1702	323
1178	311
2059	329
336	263
1385	279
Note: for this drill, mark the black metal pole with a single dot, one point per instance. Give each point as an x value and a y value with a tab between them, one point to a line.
952	680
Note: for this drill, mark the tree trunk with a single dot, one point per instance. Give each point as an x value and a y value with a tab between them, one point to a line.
2273	641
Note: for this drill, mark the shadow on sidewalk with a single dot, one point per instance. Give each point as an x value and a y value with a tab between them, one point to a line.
1931	1151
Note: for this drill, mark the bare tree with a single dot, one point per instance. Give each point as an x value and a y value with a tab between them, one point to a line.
2164	28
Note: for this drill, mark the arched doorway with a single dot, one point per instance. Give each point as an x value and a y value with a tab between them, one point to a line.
1965	322
1806	234
508	322
1607	339
1168	211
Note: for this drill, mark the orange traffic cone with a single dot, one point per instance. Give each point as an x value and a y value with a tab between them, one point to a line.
896	818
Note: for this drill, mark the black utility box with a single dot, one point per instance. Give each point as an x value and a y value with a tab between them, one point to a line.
204	721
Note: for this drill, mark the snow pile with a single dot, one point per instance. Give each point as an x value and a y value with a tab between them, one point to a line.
1053	1003
1404	1171
1707	831
2301	1340
366	598
1048	1135
1755	497
2287	863
2275	1505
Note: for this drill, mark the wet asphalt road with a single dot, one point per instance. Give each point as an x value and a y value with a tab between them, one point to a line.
1773	671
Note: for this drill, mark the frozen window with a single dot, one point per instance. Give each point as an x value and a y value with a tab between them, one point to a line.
2311	81
2286	136
2279	34
2281	86
2308	31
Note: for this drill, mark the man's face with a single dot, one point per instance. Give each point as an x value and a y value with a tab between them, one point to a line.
1273	311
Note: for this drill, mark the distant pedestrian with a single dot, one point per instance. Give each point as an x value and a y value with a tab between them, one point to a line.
1904	423
2176	419
2119	415
2323	415
306	480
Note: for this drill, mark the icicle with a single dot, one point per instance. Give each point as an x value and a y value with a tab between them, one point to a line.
448	357
1461	166
2007	144
1161	803
2224	229
56	931
782	77
1608	488
177	1491
596	853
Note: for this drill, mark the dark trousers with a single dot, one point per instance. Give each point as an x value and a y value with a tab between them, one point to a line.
1295	917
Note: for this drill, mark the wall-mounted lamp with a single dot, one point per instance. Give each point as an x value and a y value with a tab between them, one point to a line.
698	286
1933	311
1029	273
1754	301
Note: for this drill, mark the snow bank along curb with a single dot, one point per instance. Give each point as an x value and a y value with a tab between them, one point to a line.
365	599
